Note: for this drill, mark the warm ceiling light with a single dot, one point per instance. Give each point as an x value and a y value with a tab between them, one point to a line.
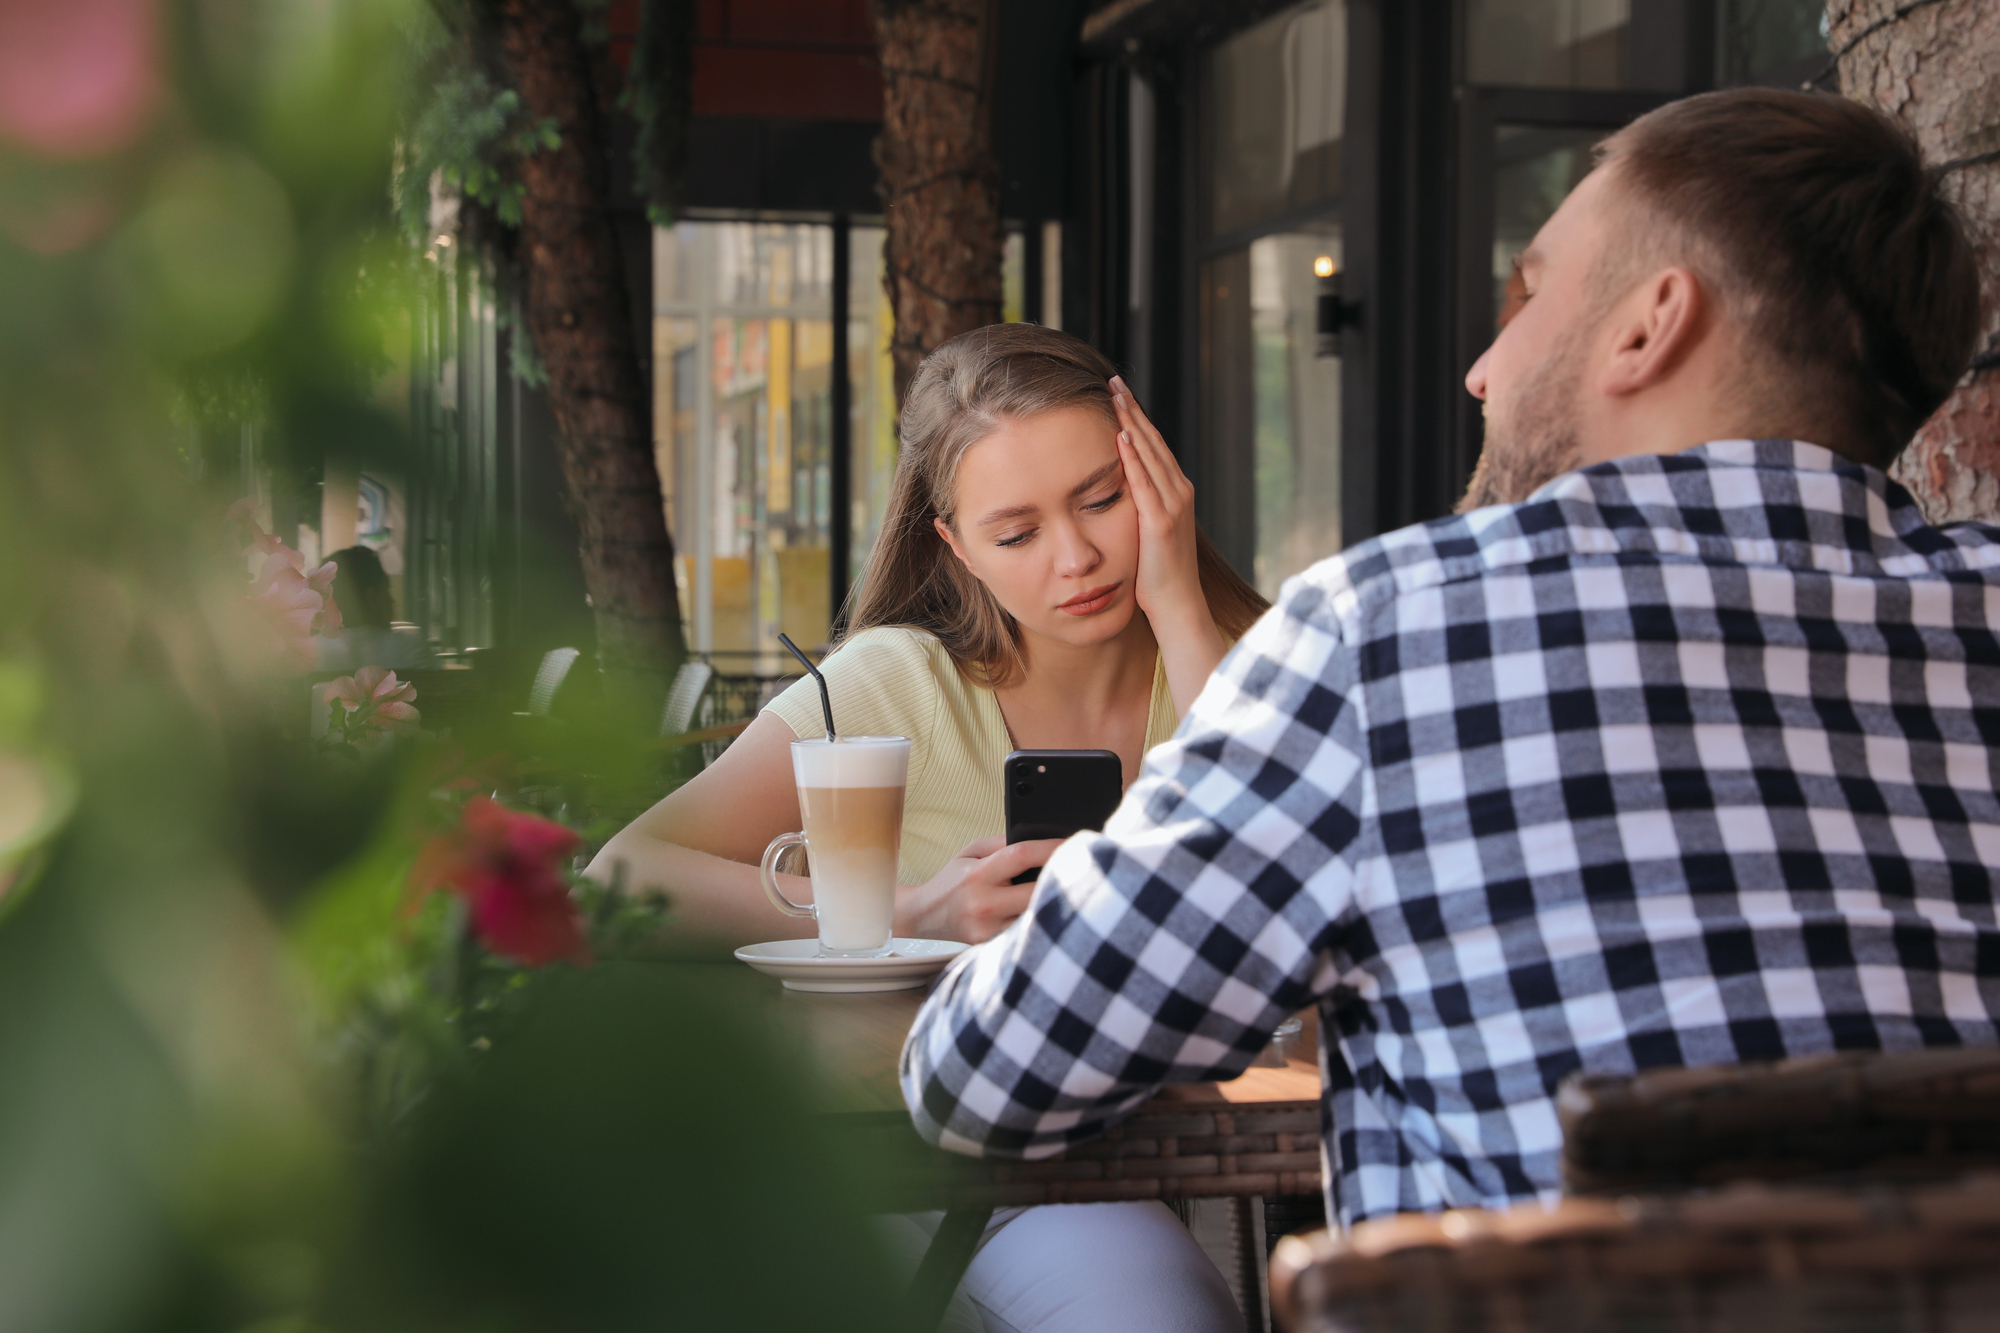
1323	266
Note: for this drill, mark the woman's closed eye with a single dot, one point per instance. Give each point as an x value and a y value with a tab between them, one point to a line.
1098	506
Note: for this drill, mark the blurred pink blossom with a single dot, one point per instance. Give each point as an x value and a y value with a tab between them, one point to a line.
321	582
299	602
282	594
77	77
373	698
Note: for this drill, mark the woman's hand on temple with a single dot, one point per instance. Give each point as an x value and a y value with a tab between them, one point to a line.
971	898
1168	585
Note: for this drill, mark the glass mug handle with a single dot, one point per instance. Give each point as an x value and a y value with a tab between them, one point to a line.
768	870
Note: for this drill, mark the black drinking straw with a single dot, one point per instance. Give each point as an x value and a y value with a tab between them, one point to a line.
825	700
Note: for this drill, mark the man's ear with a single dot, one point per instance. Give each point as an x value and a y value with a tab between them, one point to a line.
1655	328
951	540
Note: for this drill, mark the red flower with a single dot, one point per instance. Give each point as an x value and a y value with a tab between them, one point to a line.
508	868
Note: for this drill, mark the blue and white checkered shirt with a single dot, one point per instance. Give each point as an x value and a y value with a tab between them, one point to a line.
1686	760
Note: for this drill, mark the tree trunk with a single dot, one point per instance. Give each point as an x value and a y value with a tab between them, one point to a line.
1935	67
577	309
940	180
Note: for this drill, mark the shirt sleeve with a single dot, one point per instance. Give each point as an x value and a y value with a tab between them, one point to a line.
1168	948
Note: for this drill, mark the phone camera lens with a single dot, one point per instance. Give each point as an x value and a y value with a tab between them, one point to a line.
1022	789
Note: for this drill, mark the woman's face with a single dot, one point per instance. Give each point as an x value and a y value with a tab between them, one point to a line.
1044	519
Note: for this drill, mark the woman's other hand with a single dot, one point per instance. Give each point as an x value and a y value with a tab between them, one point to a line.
1168	584
971	899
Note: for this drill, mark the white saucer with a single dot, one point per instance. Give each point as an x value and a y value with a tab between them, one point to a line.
798	964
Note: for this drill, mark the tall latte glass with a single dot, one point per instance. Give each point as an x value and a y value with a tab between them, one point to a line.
851	795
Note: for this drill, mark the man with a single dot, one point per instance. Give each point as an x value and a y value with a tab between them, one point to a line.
1683	757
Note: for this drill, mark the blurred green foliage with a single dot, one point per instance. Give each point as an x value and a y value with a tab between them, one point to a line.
195	912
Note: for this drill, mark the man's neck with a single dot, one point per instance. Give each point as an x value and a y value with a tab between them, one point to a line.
1709	397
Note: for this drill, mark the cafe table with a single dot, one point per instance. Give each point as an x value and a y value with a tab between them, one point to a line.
1257	1134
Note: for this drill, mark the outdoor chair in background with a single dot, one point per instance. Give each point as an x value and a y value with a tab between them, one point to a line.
549	678
684	696
711	708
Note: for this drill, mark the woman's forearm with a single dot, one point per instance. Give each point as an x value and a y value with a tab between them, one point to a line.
1191	646
708	895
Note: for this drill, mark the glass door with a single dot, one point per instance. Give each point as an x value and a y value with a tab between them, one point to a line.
1272	106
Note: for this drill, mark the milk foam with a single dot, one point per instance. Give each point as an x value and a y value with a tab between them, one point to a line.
852	761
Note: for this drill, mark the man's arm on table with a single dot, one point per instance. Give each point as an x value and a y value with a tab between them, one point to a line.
1168	948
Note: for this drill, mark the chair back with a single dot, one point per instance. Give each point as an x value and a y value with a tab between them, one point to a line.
684	696
1874	1115
1748	1259
549	677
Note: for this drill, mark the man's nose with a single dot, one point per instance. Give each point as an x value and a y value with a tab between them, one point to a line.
1475	378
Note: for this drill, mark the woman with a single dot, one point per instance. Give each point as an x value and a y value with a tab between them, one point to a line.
369	605
1039	584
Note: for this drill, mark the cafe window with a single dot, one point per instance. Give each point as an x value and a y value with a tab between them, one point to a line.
1770	41
1579	44
743	340
1534	170
1277	96
744	431
1269	459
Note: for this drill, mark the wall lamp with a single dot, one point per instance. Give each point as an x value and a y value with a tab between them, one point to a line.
1332	312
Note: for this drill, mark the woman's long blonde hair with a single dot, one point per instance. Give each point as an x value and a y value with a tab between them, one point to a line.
962	393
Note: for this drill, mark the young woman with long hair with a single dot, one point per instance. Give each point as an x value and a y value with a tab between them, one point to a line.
1039	583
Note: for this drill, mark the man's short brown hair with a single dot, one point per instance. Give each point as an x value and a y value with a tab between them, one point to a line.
1815	221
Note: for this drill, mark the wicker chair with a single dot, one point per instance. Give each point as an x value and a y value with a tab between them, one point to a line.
684	696
549	678
1857	1193
1749	1259
1906	1115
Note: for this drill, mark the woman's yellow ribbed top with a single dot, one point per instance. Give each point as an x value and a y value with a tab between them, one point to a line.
895	681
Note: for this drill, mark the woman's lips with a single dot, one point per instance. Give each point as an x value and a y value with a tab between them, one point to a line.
1090	603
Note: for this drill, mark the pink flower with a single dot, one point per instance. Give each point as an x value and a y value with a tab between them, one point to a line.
321	581
508	868
77	77
298	602
282	594
374	699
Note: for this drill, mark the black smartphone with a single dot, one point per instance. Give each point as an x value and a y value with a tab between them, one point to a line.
1054	793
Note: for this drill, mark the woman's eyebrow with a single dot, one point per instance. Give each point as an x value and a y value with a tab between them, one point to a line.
1092	481
1089	483
1011	511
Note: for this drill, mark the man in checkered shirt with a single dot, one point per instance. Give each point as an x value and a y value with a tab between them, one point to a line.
1674	747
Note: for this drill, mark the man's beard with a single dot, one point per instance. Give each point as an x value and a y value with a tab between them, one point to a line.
1539	442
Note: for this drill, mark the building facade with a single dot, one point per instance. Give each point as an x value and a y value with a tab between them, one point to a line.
1290	221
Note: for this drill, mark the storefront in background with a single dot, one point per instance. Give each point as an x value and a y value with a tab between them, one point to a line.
1288	223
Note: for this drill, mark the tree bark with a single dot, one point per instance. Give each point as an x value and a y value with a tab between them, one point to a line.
1935	67
940	180
576	306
